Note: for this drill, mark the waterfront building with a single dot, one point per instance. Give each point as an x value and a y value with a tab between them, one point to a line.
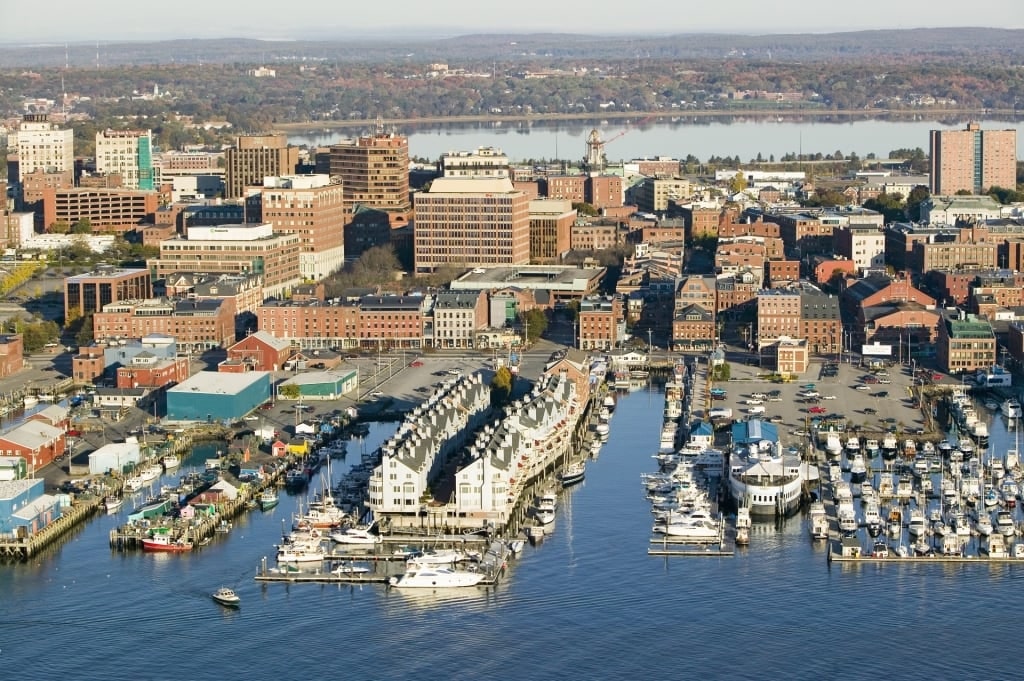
693	328
39	443
458	315
89	292
972	160
260	351
471	222
324	385
965	343
419	450
312	207
535	434
602	325
255	157
25	508
195	325
215	396
128	153
799	311
116	457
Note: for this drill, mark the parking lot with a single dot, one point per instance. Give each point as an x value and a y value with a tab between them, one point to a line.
843	395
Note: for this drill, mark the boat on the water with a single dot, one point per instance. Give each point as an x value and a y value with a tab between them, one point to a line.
171	461
573	474
357	535
1011	408
435	578
163	542
442	557
268	499
30	401
347	569
226	597
819	521
113	504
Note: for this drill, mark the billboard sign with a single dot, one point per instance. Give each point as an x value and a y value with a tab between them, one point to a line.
876	350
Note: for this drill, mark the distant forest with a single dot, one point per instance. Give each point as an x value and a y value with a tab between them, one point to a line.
321	82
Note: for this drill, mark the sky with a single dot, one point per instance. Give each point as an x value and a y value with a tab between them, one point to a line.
117	20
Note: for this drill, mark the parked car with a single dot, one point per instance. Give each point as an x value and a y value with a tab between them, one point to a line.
377	393
817	410
870	410
74	433
862	386
415	363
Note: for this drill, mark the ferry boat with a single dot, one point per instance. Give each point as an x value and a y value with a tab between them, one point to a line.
766	480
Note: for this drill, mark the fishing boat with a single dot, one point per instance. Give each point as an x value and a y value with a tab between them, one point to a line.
30	401
171	461
226	597
163	542
268	499
113	504
435	578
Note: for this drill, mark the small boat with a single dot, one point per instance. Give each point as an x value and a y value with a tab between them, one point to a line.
133	483
1011	408
268	499
609	402
162	542
573	474
348	569
356	535
303	554
30	401
917	525
880	550
1004	524
444	557
858	469
743	525
113	504
226	597
435	578
171	461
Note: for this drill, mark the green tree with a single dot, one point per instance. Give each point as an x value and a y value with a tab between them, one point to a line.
738	183
289	391
82	226
84	336
918	195
583	208
536	323
501	387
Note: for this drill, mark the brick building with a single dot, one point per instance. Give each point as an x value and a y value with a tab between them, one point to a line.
374	170
693	328
551	222
86	293
601	324
12	354
107	210
254	157
964	343
195	325
261	351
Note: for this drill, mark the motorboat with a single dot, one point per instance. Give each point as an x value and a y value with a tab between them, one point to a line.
743	525
917	526
873	519
150	473
357	535
984	524
573	474
895	521
444	557
697	525
30	401
819	521
417	577
847	519
226	597
1004	524
170	461
1011	408
767	479
300	554
853	444
995	546
858	469
268	499
609	402
348	569
113	504
880	550
904	489
133	483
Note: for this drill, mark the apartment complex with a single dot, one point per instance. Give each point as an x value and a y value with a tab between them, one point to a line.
86	293
44	147
375	172
254	157
313	208
972	160
471	222
235	249
128	153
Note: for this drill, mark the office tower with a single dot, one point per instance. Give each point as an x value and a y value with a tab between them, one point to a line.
44	147
311	206
128	153
375	172
254	157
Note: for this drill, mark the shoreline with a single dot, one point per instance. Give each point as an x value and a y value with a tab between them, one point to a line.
301	126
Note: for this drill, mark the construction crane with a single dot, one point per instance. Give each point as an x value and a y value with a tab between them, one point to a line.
595	160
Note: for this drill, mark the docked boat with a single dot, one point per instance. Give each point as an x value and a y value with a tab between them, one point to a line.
847	519
1011	408
819	521
995	546
697	525
303	553
435	578
268	499
357	535
858	469
442	557
226	597
133	483
833	445
873	519
30	401
767	480
917	526
743	525
984	524
1004	524
895	525
609	402
602	431
853	444
573	474
163	542
113	504
170	461
151	472
349	569
544	507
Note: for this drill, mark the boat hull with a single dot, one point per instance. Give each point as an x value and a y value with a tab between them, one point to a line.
162	547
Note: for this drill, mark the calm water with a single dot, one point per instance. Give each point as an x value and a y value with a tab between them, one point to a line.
588	603
701	137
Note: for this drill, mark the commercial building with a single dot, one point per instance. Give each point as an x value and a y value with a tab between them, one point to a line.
864	245
261	351
12	354
484	162
313	208
247	249
972	160
551	223
43	147
374	170
324	385
965	343
254	157
128	153
87	293
458	315
602	324
37	442
471	222
195	325
105	210
214	396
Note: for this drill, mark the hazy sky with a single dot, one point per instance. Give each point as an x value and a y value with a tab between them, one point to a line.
114	20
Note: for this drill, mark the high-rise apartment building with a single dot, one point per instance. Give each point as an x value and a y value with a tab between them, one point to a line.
312	207
484	162
254	157
375	172
973	160
128	153
43	146
471	222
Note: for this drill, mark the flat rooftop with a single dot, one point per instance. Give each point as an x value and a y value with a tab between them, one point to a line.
557	277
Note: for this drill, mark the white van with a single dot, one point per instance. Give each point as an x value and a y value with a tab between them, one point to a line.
720	413
755	410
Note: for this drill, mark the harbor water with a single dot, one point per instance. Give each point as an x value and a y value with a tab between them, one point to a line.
587	603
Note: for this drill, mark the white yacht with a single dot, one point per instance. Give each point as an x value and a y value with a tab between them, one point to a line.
873	519
1011	408
767	480
819	521
847	519
357	535
833	445
917	526
1004	524
858	469
695	526
300	554
853	444
417	577
984	524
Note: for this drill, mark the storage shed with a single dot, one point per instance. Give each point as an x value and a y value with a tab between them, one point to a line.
116	456
216	396
324	385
